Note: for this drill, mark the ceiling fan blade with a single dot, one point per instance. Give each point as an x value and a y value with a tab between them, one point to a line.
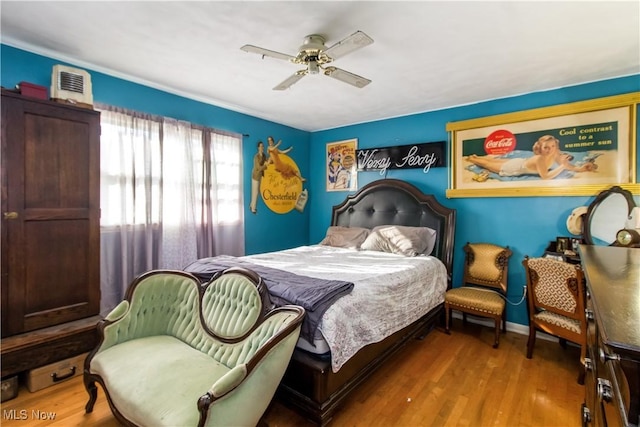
266	52
346	77
291	80
353	42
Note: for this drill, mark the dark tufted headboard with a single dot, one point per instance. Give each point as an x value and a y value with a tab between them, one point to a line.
391	201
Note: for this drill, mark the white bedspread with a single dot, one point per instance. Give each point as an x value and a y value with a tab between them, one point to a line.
391	291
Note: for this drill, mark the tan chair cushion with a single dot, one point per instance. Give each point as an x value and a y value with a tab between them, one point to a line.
558	320
478	299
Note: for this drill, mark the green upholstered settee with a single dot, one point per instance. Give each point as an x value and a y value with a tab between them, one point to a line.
179	353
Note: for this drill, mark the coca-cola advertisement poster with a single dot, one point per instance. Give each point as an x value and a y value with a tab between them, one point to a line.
416	156
572	149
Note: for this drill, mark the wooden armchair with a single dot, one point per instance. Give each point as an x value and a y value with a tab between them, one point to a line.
555	301
484	286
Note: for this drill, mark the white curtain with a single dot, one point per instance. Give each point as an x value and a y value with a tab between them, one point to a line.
224	220
171	192
179	227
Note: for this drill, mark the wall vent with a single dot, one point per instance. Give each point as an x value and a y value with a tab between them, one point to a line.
72	85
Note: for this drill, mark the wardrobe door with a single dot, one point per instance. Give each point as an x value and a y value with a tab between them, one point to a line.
51	214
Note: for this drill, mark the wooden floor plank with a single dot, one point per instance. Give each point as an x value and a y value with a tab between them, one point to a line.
442	380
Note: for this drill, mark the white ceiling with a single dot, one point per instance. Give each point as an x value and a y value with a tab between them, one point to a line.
426	55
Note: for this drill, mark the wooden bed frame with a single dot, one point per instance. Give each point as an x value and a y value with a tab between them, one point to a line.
309	385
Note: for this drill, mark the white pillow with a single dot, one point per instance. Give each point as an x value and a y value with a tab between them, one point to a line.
345	237
401	239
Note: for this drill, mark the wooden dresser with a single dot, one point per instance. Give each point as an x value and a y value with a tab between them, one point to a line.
612	382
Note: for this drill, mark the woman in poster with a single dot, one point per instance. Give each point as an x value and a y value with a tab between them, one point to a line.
334	168
546	153
339	167
286	170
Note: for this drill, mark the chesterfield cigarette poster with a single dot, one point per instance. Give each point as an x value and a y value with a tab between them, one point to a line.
276	179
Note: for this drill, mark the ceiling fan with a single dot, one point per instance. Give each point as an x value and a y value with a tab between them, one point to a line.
315	55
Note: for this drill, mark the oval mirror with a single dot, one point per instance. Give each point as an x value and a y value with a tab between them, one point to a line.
606	215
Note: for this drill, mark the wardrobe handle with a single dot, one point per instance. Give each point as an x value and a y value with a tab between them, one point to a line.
588	364
604	357
588	313
586	415
11	215
604	390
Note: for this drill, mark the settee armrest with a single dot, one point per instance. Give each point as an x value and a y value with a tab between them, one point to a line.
229	381
250	394
119	311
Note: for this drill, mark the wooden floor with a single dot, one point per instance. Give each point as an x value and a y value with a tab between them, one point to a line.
443	380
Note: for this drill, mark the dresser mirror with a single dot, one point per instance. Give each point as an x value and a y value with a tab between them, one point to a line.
607	215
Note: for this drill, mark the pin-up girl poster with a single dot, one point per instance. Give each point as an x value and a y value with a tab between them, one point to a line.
573	149
341	165
281	183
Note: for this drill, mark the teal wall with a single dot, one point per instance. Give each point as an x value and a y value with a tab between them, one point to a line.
264	231
526	224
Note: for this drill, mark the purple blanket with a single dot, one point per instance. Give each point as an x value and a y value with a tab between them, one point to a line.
312	294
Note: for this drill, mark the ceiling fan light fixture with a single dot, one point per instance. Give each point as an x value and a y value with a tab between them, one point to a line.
313	67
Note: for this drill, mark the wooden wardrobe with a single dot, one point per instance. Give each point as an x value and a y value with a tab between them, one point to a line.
50	233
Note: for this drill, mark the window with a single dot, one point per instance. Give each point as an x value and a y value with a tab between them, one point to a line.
135	164
171	192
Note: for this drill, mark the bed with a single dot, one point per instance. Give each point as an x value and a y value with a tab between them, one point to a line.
350	338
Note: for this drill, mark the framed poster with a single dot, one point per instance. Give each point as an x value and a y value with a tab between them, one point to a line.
566	150
342	174
277	179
